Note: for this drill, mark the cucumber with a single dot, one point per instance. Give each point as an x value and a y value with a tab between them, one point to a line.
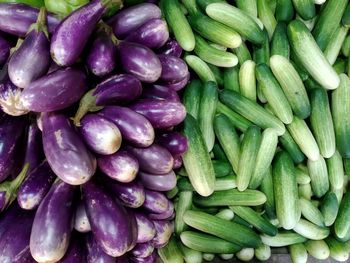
191	97
208	256
242	53
178	23
231	79
171	253
318	249
251	111
266	16
335	43
172	193
226	214
200	68
209	210
342	223
227	230
184	203
285	190
338	250
345	49
207	243
260	94
245	254
267	188
262	252
197	160
319	176
204	3
248	6
305	191
219	155
247	82
311	212
340	65
190	6
282	239
341	116
226	256
284	10
261	54
335	171
302	176
329	208
305	8
346	162
221	168
222	183
346	17
279	42
298	253
339	193
237	120
249	151
232	197
219	76
190	255
291	147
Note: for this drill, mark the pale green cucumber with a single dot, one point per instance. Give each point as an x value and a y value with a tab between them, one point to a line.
311	212
302	176
329	208
342	223
190	255
338	250
310	230
236	119
305	191
245	254
266	16
248	6
335	43
318	249
184	203
298	253
171	253
226	214
226	256
200	67
319	176
335	171
262	252
242	52
247	83
282	239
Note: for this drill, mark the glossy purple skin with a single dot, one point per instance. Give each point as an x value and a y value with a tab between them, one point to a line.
120	166
139	61
118	89
24	257
11	129
101	135
153	34
2	200
16	19
55	91
164	182
175	142
53	67
179	85
53	224
31	60
4	49
134	127
163	216
94	252
133	229
109	220
177	162
101	57
142	250
72	34
174	69
171	48
150	259
155	202
8	217
74	253
160	92
34	147
161	113
129	19
65	151
35	187
154	159
81	221
145	228
164	230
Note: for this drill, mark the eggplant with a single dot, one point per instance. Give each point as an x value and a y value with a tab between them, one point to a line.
34	153
120	166
16	19
55	91
129	19
94	253
179	85
24	256
109	220
142	250
155	202
160	92
174	69
167	215
32	59
175	142
65	151
139	61
153	34
8	217
171	48
122	259
164	230
35	187
101	135
145	228
5	47
75	251
177	162
164	182
134	127
81	221
72	34
154	159
133	229
53	224
53	67
161	113
150	259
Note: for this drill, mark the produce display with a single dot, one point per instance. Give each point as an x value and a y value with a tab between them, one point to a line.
174	130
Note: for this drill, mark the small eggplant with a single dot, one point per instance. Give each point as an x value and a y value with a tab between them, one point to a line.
53	224
35	187
32	59
164	230
34	154
145	228
109	220
81	221
55	91
75	252
175	142
5	47
65	151
165	215
171	48
134	127
120	166
179	85
101	135
133	229
24	257
94	252
142	250
177	162
129	19
160	92
154	159
174	69
8	217
164	182
139	61
155	202
153	34
161	113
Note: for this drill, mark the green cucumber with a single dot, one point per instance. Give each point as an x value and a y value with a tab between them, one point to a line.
226	256
305	191
172	193
236	119
302	176
335	43
171	253
311	212
191	97
318	249
237	219
266	16
223	183
279	42
200	68
209	210
221	168
242	53
260	94
329	208
231	79
219	154
319	176
184	203
219	76
226	214
305	8
261	54
190	255
208	256
298	253
247	84
245	254
335	171
282	239
262	252
204	3
248	6
291	147
340	65
342	223
345	49
267	188
346	162
346	17
338	250
284	10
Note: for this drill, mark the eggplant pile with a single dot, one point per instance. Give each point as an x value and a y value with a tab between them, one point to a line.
87	138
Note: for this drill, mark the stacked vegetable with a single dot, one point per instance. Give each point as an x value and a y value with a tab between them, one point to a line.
104	172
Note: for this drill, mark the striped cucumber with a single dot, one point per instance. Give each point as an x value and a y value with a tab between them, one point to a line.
266	16
248	6
200	68
279	42
191	97
311	212
342	223
262	252
291	147
261	54
231	79
226	214
298	253
319	176
302	176
219	76
245	254
334	45
247	83
184	203
318	249
190	255
335	171
267	188
345	49
305	8
305	191
222	183
242	52
226	256
284	10
329	208
282	239
338	250
171	253
208	256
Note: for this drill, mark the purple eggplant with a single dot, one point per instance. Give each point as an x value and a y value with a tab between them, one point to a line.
101	135
131	18
24	257
16	19
133	229
53	224
174	69
34	153
75	251
32	59
161	113
165	215
171	48
179	85
150	259
153	34
139	61
175	142
122	259
164	182
145	228
109	220
35	187
55	91
160	92
72	34
142	250
134	127
120	166
81	221
65	151
164	230
155	202
177	162
5	47
8	217
94	252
